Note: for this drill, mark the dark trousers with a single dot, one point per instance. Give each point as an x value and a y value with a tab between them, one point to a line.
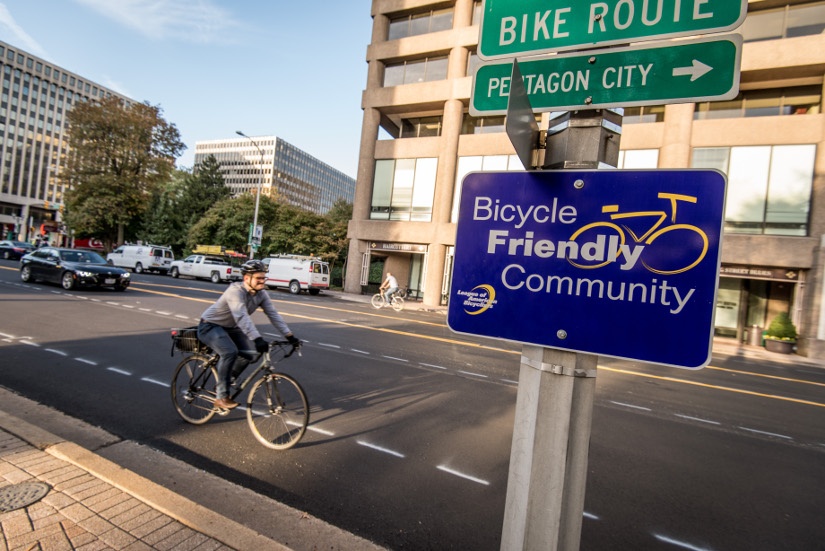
235	349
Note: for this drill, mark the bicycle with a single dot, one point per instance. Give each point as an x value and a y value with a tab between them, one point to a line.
396	302
277	408
647	237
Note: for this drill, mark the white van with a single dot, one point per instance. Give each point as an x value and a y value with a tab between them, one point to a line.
297	273
142	258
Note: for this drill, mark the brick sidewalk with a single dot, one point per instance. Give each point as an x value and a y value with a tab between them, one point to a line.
81	511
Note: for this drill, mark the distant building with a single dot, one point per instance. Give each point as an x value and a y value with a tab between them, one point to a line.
36	96
293	174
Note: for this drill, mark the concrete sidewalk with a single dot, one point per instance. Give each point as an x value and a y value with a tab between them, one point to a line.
58	495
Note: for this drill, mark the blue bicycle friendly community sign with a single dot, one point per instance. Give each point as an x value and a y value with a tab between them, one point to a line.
622	263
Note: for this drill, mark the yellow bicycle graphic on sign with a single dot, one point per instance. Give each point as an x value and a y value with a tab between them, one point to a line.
678	247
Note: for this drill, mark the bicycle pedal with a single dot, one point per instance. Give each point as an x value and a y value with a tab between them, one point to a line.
221	411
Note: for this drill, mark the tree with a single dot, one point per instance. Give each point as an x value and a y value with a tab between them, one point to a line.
118	156
164	223
204	188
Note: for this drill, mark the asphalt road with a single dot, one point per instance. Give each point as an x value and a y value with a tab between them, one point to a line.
411	424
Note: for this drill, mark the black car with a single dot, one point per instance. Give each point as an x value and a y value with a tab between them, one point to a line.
72	268
11	250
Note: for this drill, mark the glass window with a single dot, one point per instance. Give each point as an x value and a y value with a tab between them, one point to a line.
411	72
477	163
789	195
805	20
436	69
403	189
769	187
763	26
639	158
420	23
394	75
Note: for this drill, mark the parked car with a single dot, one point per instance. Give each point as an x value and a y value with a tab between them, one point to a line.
11	250
72	268
142	258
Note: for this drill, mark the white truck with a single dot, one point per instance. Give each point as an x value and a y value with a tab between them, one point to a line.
297	273
213	268
142	258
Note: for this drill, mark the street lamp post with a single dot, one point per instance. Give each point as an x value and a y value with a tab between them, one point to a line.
257	195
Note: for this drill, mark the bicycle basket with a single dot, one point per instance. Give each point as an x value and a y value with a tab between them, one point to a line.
186	340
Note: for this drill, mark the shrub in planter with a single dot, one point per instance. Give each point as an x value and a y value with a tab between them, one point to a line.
781	334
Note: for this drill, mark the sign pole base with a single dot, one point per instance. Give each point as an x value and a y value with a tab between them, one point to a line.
548	459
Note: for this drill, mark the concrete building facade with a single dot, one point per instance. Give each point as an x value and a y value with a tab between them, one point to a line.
418	140
279	168
36	96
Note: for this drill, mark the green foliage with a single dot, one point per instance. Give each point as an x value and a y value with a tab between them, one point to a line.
781	328
119	156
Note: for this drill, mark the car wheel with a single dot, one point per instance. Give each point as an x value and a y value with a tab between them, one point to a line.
174	272
67	281
26	273
215	277
294	287
7	255
138	268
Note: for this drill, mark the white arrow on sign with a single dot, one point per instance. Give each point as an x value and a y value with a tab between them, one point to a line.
695	71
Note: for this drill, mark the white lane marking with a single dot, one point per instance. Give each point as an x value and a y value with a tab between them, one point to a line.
591	516
118	370
394	358
30	343
128	306
82	298
321	431
112	303
510	381
58	352
471	374
380	449
162	313
328	345
767	433
431	365
180	316
359	351
462	475
6	335
630	406
95	300
690	418
85	361
677	543
154	382
145	309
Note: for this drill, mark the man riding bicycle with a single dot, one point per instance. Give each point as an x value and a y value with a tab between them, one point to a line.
389	287
228	329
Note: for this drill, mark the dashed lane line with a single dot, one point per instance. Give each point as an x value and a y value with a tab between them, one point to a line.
380	449
85	361
119	371
460	474
765	433
58	352
681	544
691	418
631	406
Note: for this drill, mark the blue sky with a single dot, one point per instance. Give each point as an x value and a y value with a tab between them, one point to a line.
290	68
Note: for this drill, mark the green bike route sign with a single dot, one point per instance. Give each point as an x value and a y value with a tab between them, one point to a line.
679	72
512	28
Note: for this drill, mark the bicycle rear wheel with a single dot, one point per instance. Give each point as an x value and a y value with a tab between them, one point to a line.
277	411
397	304
377	301
193	389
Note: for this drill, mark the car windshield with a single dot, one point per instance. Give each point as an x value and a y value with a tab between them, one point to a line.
85	257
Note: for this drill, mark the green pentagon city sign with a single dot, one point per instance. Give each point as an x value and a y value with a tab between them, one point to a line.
527	27
673	72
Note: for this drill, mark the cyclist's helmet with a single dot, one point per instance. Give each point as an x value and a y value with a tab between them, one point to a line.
252	266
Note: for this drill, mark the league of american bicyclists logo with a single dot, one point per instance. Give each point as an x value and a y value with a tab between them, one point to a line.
653	242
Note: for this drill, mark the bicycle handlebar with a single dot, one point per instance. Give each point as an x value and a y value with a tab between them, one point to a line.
295	347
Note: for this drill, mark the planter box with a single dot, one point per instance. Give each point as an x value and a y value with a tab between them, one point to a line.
782	347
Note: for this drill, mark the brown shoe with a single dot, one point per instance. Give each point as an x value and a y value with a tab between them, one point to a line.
226	403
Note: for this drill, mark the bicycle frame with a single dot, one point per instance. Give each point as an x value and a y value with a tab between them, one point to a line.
265	363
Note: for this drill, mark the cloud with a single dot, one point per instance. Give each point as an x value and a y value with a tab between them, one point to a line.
11	32
198	21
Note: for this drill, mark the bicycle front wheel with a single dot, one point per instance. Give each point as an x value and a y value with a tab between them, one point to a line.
377	301
277	411
397	304
193	389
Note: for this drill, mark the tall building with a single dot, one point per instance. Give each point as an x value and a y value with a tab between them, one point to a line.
418	141
36	96
279	168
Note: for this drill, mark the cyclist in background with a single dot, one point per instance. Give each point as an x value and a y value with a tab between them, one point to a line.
389	287
228	329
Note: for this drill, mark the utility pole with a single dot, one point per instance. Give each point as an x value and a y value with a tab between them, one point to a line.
257	195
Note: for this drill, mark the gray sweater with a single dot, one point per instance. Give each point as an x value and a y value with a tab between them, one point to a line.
236	306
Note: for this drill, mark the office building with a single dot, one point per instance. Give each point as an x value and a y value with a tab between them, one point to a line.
418	141
37	95
280	169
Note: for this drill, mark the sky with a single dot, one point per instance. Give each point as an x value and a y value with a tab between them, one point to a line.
290	68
